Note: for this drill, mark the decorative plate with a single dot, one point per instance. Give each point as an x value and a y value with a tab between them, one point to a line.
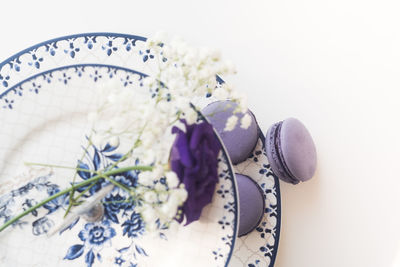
45	92
259	248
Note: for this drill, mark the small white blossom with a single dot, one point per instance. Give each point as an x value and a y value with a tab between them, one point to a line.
158	171
221	93
245	121
163	196
190	115
231	123
229	67
150	197
149	81
143	118
241	100
148	156
157	39
159	187
149	214
146	178
169	209
172	179
180	194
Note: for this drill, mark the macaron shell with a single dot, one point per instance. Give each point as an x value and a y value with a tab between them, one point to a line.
251	205
273	150
298	149
239	142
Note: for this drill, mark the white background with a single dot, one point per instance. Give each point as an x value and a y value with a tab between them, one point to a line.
333	64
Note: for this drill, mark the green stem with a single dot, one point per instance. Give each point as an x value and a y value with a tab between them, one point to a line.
57	166
71	196
82	193
73	187
125	156
115	183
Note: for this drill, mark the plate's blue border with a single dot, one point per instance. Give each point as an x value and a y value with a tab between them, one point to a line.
12	88
134	72
278	195
278	204
90	34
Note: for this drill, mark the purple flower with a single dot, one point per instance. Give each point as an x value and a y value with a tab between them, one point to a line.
194	158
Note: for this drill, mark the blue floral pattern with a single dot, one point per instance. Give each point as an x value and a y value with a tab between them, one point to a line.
91	240
78	52
134	226
24	198
94	236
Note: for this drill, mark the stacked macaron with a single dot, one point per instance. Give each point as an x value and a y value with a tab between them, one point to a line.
239	142
291	151
289	147
251	204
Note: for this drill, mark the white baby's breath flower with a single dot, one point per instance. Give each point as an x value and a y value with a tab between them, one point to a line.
148	214
172	179
158	171
149	81
159	37
147	140
180	194
151	228
231	123
241	100
140	120
229	67
123	115
146	178
163	196
159	187
228	88
245	121
140	190
148	156
221	94
150	197
190	115
169	209
215	54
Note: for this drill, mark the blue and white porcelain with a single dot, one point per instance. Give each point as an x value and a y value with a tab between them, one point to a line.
45	93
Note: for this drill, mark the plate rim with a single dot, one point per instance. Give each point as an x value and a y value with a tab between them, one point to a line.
278	197
223	148
66	37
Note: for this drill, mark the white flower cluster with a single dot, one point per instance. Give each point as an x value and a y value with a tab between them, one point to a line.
190	73
143	117
161	200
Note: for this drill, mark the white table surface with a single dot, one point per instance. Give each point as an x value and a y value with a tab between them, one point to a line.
333	64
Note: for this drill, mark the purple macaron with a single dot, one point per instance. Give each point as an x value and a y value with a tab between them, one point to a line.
239	142
251	204
291	151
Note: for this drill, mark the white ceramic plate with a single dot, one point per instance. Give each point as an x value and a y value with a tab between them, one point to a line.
45	92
